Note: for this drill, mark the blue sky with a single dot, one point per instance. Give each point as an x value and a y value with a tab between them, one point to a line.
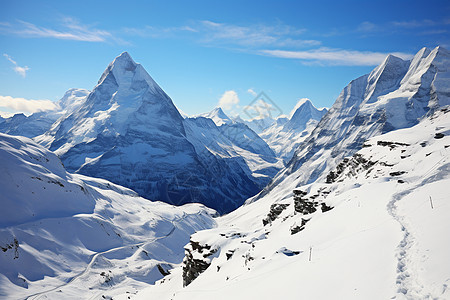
203	52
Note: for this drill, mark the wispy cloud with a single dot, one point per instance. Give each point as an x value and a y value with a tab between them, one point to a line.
68	29
253	35
366	27
26	105
156	31
252	92
414	24
427	27
22	71
222	34
260	109
340	57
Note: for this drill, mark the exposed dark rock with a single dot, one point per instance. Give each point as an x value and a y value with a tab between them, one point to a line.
13	245
391	145
324	207
296	229
439	135
229	254
354	165
193	267
164	271
275	210
304	205
397	173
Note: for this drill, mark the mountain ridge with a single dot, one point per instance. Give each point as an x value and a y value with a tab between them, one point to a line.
355	117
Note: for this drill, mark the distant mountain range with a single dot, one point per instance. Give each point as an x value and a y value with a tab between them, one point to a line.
396	94
128	131
349	203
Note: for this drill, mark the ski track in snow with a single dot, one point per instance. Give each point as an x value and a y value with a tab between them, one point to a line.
403	279
96	255
409	286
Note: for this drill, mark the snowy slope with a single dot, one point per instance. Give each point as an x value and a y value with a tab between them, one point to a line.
128	131
233	151
217	115
379	229
69	236
40	122
258	124
395	95
286	134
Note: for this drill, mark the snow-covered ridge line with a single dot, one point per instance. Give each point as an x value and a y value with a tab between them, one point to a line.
128	131
382	227
397	94
62	232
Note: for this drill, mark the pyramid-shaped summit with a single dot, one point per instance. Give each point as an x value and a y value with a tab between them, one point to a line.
128	131
397	94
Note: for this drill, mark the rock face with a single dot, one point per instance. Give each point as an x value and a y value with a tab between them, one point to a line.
395	95
128	131
196	261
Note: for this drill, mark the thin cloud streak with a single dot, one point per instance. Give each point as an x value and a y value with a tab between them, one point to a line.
337	57
22	71
253	36
70	29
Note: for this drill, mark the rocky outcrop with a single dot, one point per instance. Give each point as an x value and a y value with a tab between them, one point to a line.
275	210
196	260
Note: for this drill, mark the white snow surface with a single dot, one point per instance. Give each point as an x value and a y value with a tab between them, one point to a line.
386	237
38	123
397	94
68	236
286	134
128	131
217	115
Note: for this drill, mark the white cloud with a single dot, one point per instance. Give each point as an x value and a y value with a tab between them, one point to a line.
6	114
26	105
22	71
157	32
414	24
367	27
228	100
252	92
253	35
69	29
260	109
339	57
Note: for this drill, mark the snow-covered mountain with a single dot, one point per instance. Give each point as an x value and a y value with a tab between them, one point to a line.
395	95
233	148
375	228
128	131
286	134
258	124
218	116
358	213
72	235
40	122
